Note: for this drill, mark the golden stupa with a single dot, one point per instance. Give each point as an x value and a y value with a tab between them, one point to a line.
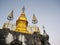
21	23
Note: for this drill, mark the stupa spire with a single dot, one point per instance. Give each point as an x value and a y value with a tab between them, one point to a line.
34	20
23	9
10	16
22	16
44	29
46	36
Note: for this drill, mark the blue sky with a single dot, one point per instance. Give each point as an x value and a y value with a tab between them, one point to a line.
46	11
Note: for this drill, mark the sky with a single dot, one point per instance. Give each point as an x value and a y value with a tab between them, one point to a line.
46	11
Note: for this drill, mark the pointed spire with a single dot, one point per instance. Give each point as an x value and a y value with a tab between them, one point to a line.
34	20
23	9
46	36
44	29
10	16
44	32
22	16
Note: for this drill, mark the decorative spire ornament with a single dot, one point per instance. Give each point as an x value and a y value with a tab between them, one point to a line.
10	16
23	9
46	36
34	20
44	29
44	32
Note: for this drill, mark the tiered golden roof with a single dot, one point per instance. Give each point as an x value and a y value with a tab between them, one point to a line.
21	23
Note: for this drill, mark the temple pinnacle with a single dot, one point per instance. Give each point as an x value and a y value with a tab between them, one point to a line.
10	16
23	9
34	20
